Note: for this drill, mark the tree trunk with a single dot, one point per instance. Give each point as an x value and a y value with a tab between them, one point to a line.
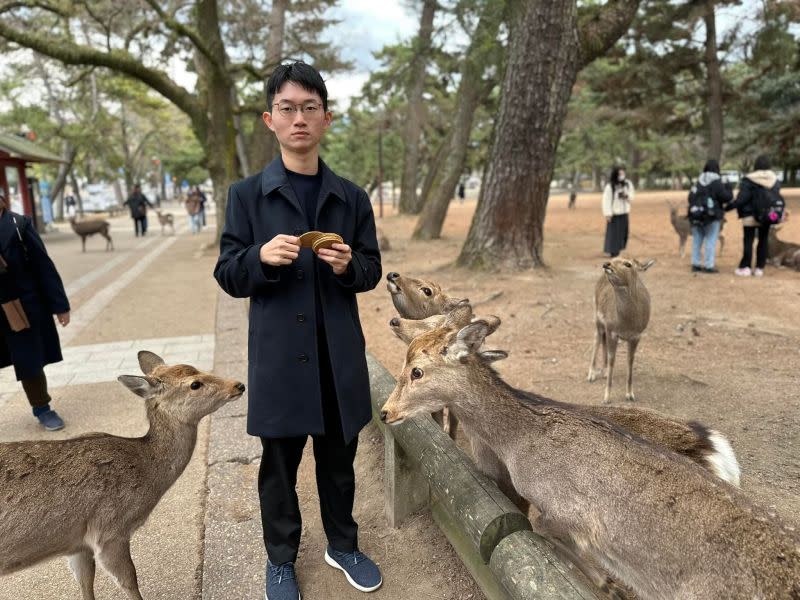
715	131
432	175
543	62
77	191
471	90
546	51
409	202
57	195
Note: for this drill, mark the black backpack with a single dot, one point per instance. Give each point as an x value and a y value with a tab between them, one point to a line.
702	207
768	205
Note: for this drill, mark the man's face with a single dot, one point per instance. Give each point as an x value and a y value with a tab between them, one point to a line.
298	131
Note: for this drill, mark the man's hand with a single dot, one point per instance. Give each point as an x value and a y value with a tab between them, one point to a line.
337	256
280	250
63	318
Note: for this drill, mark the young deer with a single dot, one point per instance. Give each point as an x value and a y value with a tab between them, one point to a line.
684	229
621	311
166	219
653	519
780	253
707	447
84	497
417	298
88	228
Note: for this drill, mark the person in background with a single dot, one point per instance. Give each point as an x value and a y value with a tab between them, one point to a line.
28	336
461	192
617	198
573	195
137	202
193	209
761	179
202	199
714	195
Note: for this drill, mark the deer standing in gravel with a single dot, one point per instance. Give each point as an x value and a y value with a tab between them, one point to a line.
683	228
88	228
85	497
653	519
621	312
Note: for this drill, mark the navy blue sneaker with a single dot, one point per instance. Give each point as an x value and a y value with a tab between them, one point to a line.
281	583
51	420
361	572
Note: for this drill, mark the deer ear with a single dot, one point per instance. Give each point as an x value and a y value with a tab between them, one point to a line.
468	340
459	316
645	266
454	303
491	356
149	361
145	387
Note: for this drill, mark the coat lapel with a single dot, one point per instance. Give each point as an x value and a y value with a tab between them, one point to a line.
273	178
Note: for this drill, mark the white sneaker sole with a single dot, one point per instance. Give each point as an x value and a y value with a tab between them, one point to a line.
360	588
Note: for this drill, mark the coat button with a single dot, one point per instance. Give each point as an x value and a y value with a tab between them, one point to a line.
300	273
301	318
303	358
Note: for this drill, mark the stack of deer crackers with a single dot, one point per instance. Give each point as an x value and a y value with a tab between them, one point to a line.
316	240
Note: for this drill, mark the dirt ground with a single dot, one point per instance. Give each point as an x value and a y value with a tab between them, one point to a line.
719	349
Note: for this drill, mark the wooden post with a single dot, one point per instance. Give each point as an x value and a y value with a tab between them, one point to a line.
406	489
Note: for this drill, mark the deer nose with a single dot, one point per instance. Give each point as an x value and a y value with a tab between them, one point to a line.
383	416
606	265
240	387
392	276
395	322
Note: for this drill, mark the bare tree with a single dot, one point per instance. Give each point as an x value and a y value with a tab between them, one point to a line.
549	43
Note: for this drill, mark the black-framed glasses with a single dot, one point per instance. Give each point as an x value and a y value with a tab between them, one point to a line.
288	110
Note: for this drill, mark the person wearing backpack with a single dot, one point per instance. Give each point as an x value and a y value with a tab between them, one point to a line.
759	206
707	200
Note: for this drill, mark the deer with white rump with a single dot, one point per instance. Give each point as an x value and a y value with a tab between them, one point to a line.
85	497
653	519
621	312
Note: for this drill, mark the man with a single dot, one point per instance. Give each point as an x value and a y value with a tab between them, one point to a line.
138	203
30	282
307	369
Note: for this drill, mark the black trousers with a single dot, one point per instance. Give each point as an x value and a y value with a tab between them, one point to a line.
36	390
277	481
616	235
761	248
140	225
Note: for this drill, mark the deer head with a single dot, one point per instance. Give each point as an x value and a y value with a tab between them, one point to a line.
438	371
180	391
623	271
418	298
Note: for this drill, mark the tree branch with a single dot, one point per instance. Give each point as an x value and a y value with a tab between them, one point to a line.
599	27
187	32
117	60
8	7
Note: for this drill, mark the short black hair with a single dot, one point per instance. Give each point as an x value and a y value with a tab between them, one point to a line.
712	166
762	163
306	76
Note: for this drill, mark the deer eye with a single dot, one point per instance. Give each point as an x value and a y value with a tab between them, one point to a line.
627	264
196	385
416	373
427	291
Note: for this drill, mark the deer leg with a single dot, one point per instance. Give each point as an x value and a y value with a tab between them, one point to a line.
611	344
682	246
115	557
632	345
491	466
599	339
83	243
453	419
721	243
83	568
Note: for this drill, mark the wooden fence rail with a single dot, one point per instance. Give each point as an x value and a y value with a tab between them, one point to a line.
424	469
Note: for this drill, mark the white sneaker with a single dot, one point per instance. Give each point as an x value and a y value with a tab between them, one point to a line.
758	273
743	272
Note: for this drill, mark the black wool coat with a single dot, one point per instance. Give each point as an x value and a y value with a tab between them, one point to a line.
284	396
32	278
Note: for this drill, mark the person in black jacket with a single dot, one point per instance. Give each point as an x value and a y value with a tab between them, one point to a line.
31	277
705	235
138	203
761	177
307	371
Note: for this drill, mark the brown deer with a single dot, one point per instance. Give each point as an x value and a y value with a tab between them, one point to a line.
781	253
88	228
166	219
621	312
684	229
707	447
85	497
417	298
652	519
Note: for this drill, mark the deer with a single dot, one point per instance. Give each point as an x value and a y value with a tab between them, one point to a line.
653	519
781	253
707	447
418	298
621	312
166	219
85	497
683	228
88	228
